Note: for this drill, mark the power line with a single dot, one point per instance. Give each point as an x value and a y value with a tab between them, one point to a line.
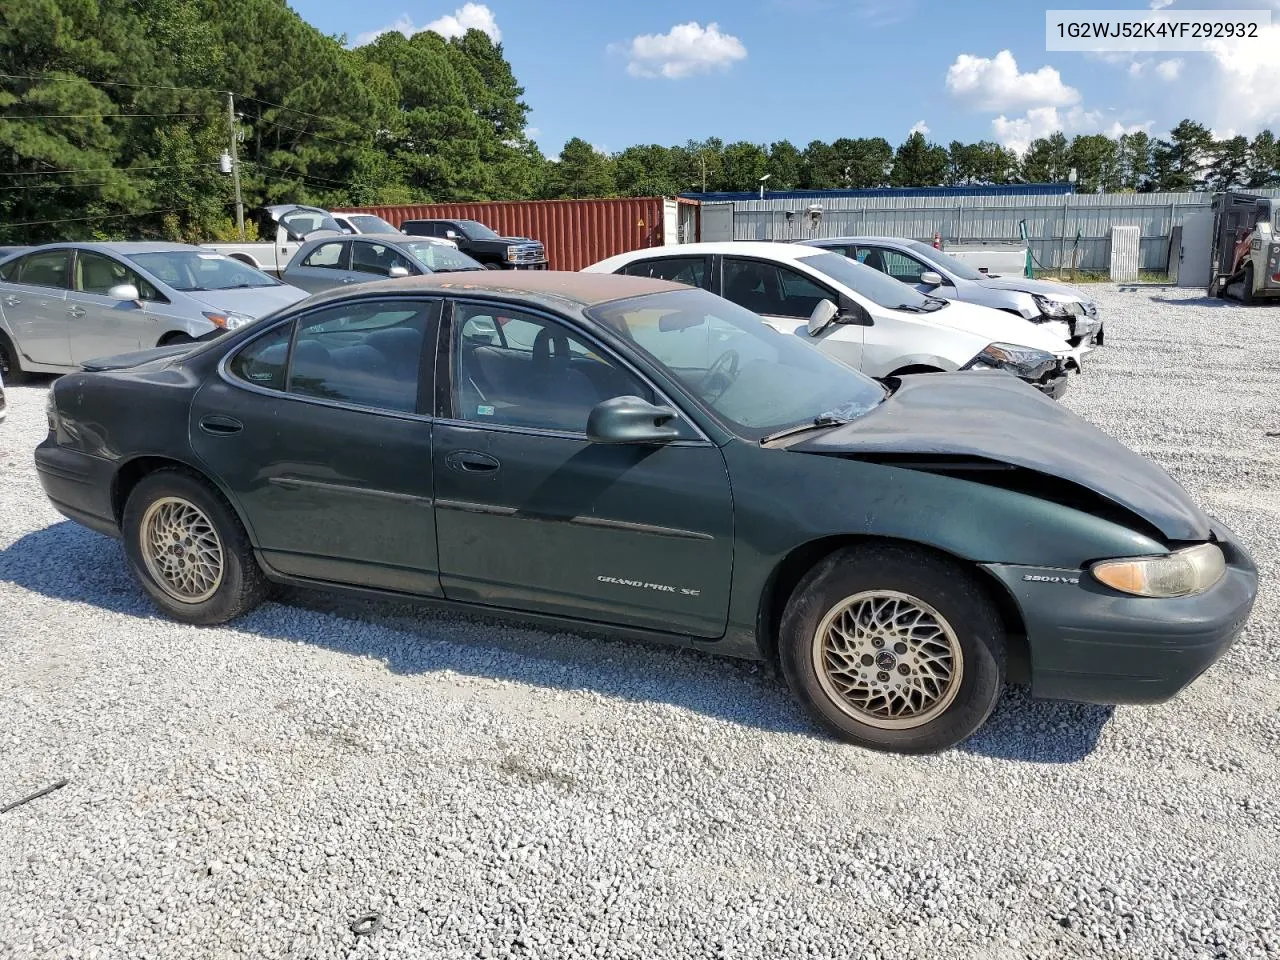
154	166
106	216
93	116
295	173
309	133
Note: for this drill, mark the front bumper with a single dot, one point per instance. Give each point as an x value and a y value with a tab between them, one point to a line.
78	485
525	266
1093	644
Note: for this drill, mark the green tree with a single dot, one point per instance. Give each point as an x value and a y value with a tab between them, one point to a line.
785	166
821	168
1183	158
580	171
919	163
1134	161
1047	160
1264	161
1230	165
864	162
647	171
1096	161
744	165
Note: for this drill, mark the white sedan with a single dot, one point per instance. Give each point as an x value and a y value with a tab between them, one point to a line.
878	325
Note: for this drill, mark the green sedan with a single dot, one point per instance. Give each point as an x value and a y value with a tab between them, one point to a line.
635	457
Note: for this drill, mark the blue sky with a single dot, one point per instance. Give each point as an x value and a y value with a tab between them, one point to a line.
619	73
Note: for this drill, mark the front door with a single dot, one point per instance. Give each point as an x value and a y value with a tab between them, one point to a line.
319	439
101	326
35	306
325	267
532	516
785	298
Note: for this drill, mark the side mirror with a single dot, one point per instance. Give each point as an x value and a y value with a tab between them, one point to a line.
931	278
124	291
451	234
824	314
397	272
630	420
852	312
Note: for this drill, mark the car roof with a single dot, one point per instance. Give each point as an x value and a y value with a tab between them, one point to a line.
530	286
773	249
904	241
121	247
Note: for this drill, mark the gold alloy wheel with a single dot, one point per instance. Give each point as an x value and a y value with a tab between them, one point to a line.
888	659
181	549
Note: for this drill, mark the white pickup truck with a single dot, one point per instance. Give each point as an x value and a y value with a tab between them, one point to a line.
288	225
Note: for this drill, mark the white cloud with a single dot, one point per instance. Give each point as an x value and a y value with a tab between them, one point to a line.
686	49
1169	69
467	17
995	84
1248	74
1136	68
918	127
1018	132
1161	4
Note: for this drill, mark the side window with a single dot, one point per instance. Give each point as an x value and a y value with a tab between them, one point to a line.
301	222
522	370
49	269
903	268
326	255
95	273
264	360
690	270
367	353
377	258
873	257
771	289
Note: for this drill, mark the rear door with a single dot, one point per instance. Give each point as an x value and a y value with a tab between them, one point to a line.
326	266
695	271
785	298
35	306
101	326
371	260
316	429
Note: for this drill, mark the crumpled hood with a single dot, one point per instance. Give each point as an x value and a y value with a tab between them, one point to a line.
1046	288
996	416
996	326
250	301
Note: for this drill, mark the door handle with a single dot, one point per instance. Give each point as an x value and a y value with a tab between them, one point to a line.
471	461
77	311
220	426
12	301
347	280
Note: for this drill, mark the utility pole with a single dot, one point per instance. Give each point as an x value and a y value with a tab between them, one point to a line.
235	163
702	158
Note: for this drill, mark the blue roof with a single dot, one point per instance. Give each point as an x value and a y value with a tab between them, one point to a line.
992	190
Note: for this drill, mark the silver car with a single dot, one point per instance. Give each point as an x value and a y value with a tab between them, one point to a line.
326	262
63	304
1064	310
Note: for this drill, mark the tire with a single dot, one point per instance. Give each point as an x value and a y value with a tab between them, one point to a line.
953	620
1246	295
11	371
169	339
228	584
493	266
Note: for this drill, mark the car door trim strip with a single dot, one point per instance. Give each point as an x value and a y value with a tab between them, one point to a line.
290	483
467	506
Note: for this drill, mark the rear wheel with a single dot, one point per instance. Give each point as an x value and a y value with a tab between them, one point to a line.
893	648
187	549
1246	295
10	369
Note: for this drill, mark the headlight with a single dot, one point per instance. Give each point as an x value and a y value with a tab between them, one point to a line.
1021	361
227	320
1051	308
1180	574
511	254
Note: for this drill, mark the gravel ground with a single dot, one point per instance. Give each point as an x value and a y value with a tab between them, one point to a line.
492	791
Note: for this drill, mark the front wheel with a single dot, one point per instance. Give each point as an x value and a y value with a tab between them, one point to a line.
11	371
1246	295
893	648
187	549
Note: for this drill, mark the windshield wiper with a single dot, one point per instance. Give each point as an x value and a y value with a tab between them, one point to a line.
910	308
820	422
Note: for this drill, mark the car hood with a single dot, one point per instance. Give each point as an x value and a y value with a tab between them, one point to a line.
251	301
996	325
1046	288
997	417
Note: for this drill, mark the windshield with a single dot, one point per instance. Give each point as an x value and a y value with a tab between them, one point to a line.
946	261
192	270
441	257
475	230
368	223
756	379
879	288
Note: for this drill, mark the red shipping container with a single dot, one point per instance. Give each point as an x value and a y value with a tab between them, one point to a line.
576	233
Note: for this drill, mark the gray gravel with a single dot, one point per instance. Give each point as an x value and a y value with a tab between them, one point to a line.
498	792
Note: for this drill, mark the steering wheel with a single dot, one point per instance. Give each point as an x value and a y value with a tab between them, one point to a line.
725	369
